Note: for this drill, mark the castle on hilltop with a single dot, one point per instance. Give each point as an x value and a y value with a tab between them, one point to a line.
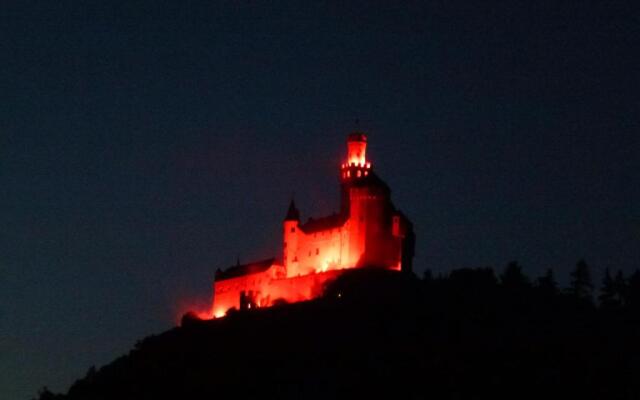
367	232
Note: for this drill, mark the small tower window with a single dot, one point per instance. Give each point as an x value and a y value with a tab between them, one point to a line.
359	173
293	229
317	251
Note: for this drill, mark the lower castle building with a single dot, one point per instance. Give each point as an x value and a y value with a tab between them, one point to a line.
367	232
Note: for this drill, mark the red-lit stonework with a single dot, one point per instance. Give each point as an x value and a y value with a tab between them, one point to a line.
367	232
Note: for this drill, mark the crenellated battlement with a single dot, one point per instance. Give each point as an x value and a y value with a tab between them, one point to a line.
349	171
356	165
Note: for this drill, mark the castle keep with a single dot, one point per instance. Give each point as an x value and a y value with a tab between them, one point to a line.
367	232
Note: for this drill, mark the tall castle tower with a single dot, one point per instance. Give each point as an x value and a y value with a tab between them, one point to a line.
366	199
355	167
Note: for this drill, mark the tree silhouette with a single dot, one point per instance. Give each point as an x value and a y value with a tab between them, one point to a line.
547	284
46	394
513	278
581	284
427	276
465	334
633	291
608	294
620	284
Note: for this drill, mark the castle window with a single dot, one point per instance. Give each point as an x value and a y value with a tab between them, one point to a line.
348	173
359	173
317	251
309	253
293	229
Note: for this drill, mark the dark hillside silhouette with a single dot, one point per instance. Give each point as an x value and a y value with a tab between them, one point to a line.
380	334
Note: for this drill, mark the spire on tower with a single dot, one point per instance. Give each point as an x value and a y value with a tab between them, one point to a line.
292	213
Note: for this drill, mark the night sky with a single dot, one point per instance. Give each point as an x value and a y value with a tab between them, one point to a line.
143	145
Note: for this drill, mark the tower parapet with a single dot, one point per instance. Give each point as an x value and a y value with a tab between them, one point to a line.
357	148
356	166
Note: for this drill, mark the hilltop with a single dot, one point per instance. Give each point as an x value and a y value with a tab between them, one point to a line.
383	334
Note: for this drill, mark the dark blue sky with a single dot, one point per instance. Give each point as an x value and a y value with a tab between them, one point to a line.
145	144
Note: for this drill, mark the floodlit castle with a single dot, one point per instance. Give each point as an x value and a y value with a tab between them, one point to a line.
367	232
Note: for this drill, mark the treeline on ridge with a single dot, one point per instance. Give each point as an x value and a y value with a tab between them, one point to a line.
470	333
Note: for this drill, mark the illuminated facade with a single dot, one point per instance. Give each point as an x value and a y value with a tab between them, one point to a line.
367	232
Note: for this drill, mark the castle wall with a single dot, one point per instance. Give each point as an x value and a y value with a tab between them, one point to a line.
372	236
227	291
365	239
358	223
320	251
263	290
300	288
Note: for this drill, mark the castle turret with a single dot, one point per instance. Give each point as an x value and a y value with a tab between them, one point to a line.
357	148
356	165
367	204
290	239
292	212
354	168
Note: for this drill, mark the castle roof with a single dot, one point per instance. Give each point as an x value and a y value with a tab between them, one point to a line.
357	137
371	180
246	269
322	224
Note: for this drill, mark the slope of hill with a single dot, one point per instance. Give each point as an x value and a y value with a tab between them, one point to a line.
385	335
